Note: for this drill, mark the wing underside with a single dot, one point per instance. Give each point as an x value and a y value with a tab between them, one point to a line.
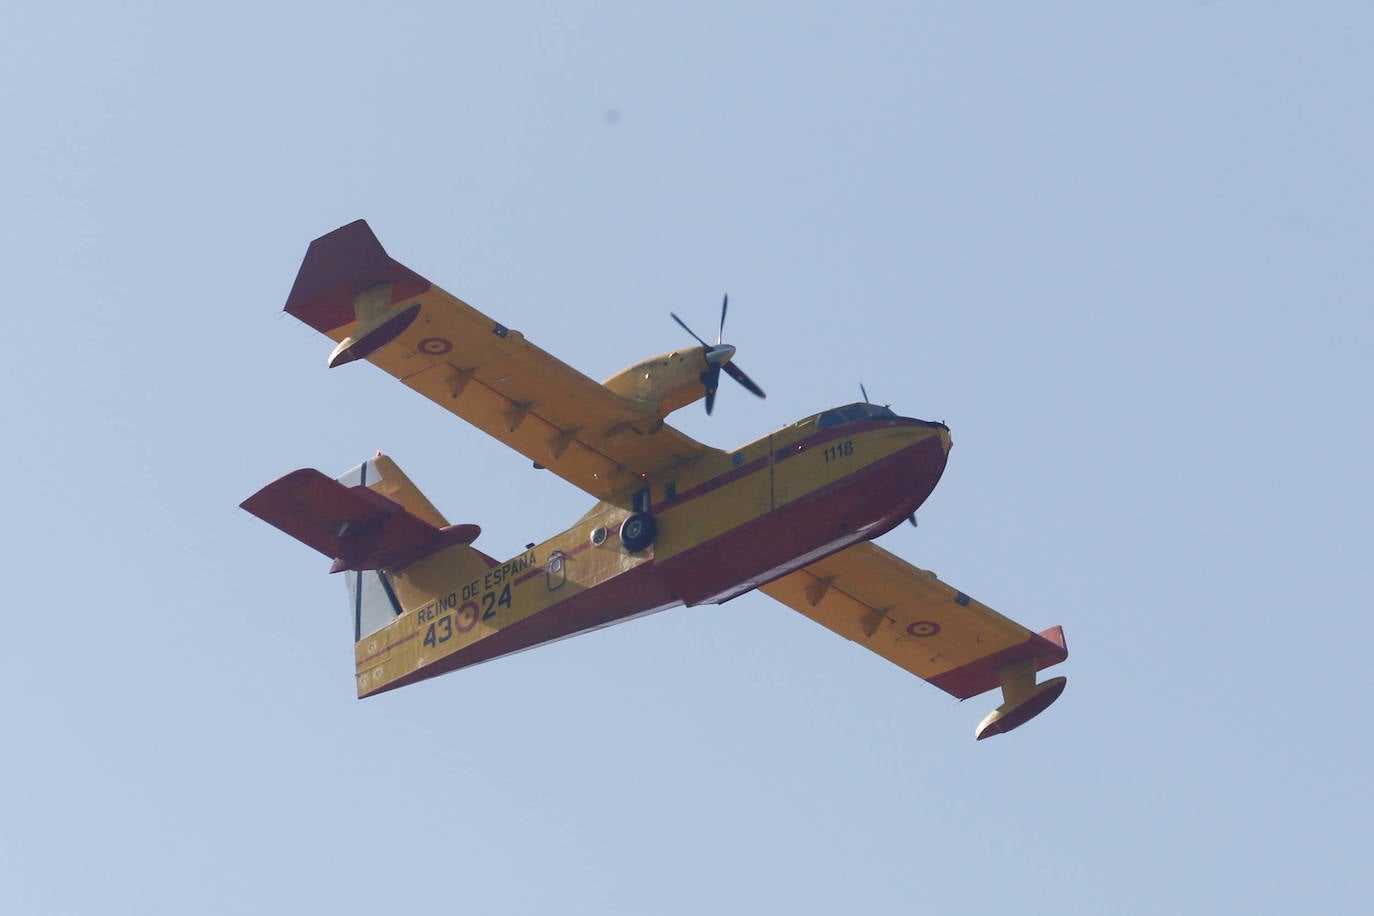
349	289
911	618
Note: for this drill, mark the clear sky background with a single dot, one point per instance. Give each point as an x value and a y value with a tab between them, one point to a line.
1124	250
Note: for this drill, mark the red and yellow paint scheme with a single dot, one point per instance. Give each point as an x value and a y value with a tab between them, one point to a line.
678	522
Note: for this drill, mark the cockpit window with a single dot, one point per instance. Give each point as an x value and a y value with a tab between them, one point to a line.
853	414
829	418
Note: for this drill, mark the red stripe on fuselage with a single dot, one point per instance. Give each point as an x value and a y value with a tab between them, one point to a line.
858	507
781	451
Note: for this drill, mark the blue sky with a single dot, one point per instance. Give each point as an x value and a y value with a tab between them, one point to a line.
1123	250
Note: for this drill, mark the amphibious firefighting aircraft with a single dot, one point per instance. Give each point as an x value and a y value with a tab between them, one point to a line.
678	522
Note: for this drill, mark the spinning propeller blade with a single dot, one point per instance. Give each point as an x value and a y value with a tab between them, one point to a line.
711	379
717	358
689	330
736	373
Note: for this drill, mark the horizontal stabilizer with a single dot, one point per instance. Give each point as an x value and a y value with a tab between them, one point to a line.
358	528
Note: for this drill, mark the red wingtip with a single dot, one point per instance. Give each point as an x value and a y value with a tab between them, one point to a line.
339	265
1055	635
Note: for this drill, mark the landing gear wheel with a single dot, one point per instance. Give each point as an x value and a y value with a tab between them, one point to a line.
637	532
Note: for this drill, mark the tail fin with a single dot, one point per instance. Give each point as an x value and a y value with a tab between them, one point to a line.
371	597
381	475
370	520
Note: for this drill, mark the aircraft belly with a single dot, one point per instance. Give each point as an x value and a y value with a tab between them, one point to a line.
573	609
856	507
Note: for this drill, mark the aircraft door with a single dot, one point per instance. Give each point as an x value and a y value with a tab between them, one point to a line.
787	473
772	477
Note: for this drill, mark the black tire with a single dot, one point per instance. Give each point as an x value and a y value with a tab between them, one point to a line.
637	532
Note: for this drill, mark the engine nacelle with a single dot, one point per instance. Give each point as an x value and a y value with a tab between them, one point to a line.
668	382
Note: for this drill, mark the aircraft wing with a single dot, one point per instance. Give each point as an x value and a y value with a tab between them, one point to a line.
911	618
349	289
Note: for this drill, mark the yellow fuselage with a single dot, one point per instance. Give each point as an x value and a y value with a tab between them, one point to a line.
726	522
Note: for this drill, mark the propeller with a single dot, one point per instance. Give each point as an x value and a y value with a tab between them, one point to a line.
717	358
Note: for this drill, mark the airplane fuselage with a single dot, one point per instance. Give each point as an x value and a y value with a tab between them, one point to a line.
726	523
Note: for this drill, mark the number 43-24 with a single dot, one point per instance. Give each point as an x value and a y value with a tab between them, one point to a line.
442	630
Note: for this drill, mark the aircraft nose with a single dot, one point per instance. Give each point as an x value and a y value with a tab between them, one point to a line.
946	442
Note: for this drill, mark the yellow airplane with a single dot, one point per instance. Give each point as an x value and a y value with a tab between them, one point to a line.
678	522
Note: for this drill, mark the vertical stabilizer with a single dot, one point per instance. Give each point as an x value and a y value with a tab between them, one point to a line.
371	597
381	475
